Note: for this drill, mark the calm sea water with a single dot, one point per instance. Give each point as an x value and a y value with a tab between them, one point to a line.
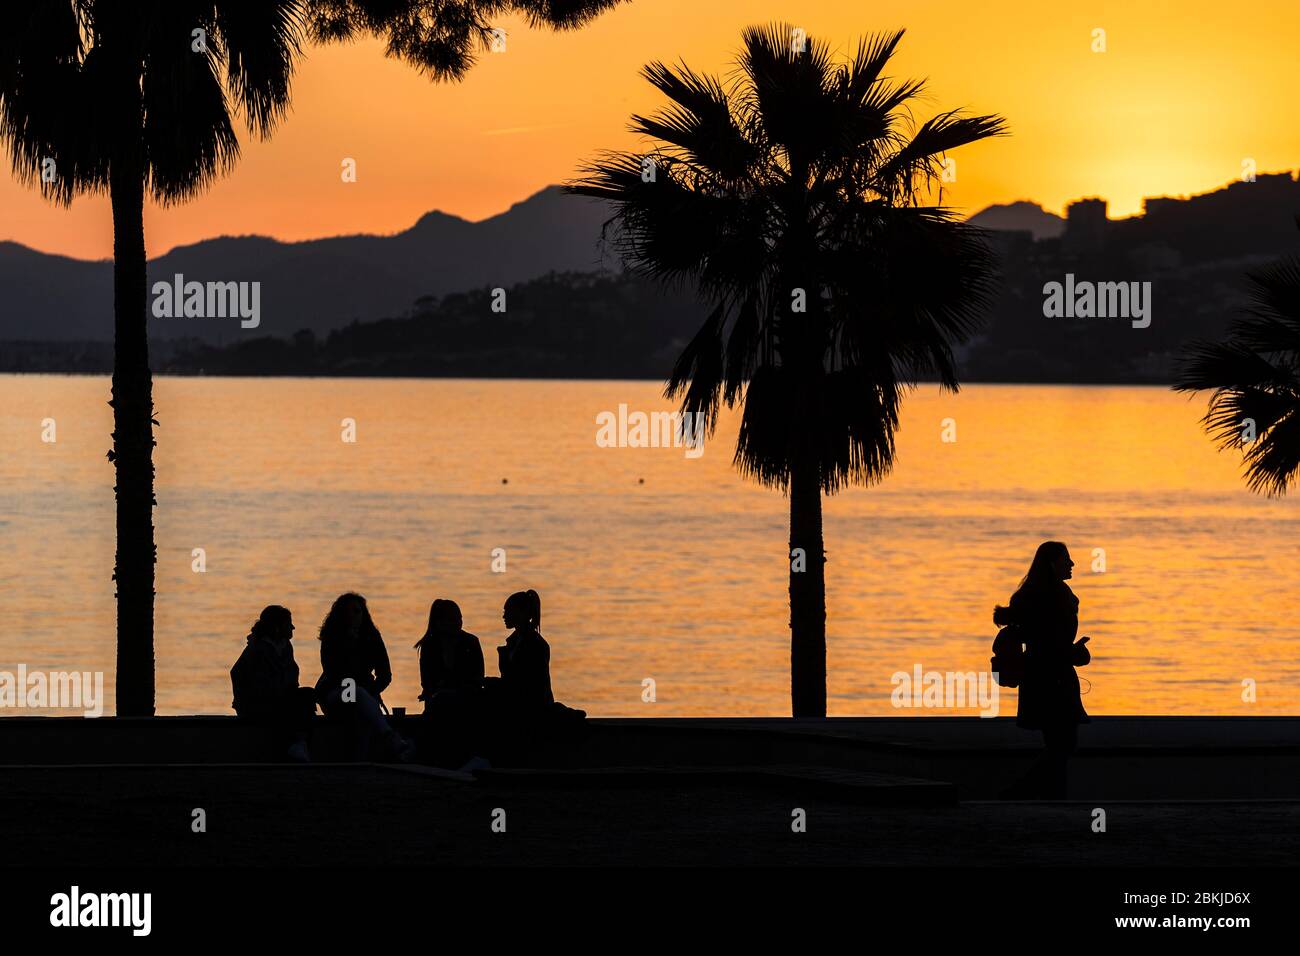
650	564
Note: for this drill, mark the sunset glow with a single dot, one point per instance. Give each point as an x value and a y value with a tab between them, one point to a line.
1182	95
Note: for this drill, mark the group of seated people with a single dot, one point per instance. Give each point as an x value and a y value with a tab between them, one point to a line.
470	720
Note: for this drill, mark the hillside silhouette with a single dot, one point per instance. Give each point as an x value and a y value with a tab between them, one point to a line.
564	325
418	303
1020	216
320	284
1194	252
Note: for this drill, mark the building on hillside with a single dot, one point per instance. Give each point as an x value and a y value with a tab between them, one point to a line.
1085	227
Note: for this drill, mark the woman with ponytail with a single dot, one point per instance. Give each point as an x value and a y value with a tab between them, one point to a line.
524	723
525	658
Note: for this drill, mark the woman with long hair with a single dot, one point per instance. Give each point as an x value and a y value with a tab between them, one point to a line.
265	684
1046	614
451	659
451	685
354	673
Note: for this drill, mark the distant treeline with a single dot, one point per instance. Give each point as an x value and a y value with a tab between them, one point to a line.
77	358
601	325
1022	344
564	325
1194	252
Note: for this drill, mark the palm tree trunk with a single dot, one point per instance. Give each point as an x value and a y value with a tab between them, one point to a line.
807	592
132	443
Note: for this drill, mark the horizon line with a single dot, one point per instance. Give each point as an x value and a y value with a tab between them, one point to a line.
1293	174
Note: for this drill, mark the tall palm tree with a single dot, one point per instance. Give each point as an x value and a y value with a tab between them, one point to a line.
790	197
137	98
125	97
1255	378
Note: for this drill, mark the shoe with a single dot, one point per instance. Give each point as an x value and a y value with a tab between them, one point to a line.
298	753
404	749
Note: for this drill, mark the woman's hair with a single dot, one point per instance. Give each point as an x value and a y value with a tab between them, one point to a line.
1040	573
1040	569
442	613
335	624
273	618
529	604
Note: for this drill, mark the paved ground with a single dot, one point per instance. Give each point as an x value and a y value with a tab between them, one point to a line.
370	815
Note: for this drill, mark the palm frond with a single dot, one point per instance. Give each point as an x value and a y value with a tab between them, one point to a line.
51	105
1254	379
768	420
789	199
699	123
187	132
697	375
263	42
788	91
917	164
1272	463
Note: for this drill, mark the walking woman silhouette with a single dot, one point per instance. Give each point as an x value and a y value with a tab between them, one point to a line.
1046	613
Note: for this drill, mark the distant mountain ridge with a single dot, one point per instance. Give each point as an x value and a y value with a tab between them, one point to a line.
317	284
419	302
1020	216
323	284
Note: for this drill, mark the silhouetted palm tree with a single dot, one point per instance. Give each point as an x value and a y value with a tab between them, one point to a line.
1255	376
790	197
135	98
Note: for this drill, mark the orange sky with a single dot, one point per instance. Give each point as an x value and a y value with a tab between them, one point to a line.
1185	91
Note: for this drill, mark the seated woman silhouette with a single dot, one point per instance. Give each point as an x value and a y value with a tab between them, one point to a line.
451	683
525	658
265	684
1046	613
522	712
354	673
451	659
